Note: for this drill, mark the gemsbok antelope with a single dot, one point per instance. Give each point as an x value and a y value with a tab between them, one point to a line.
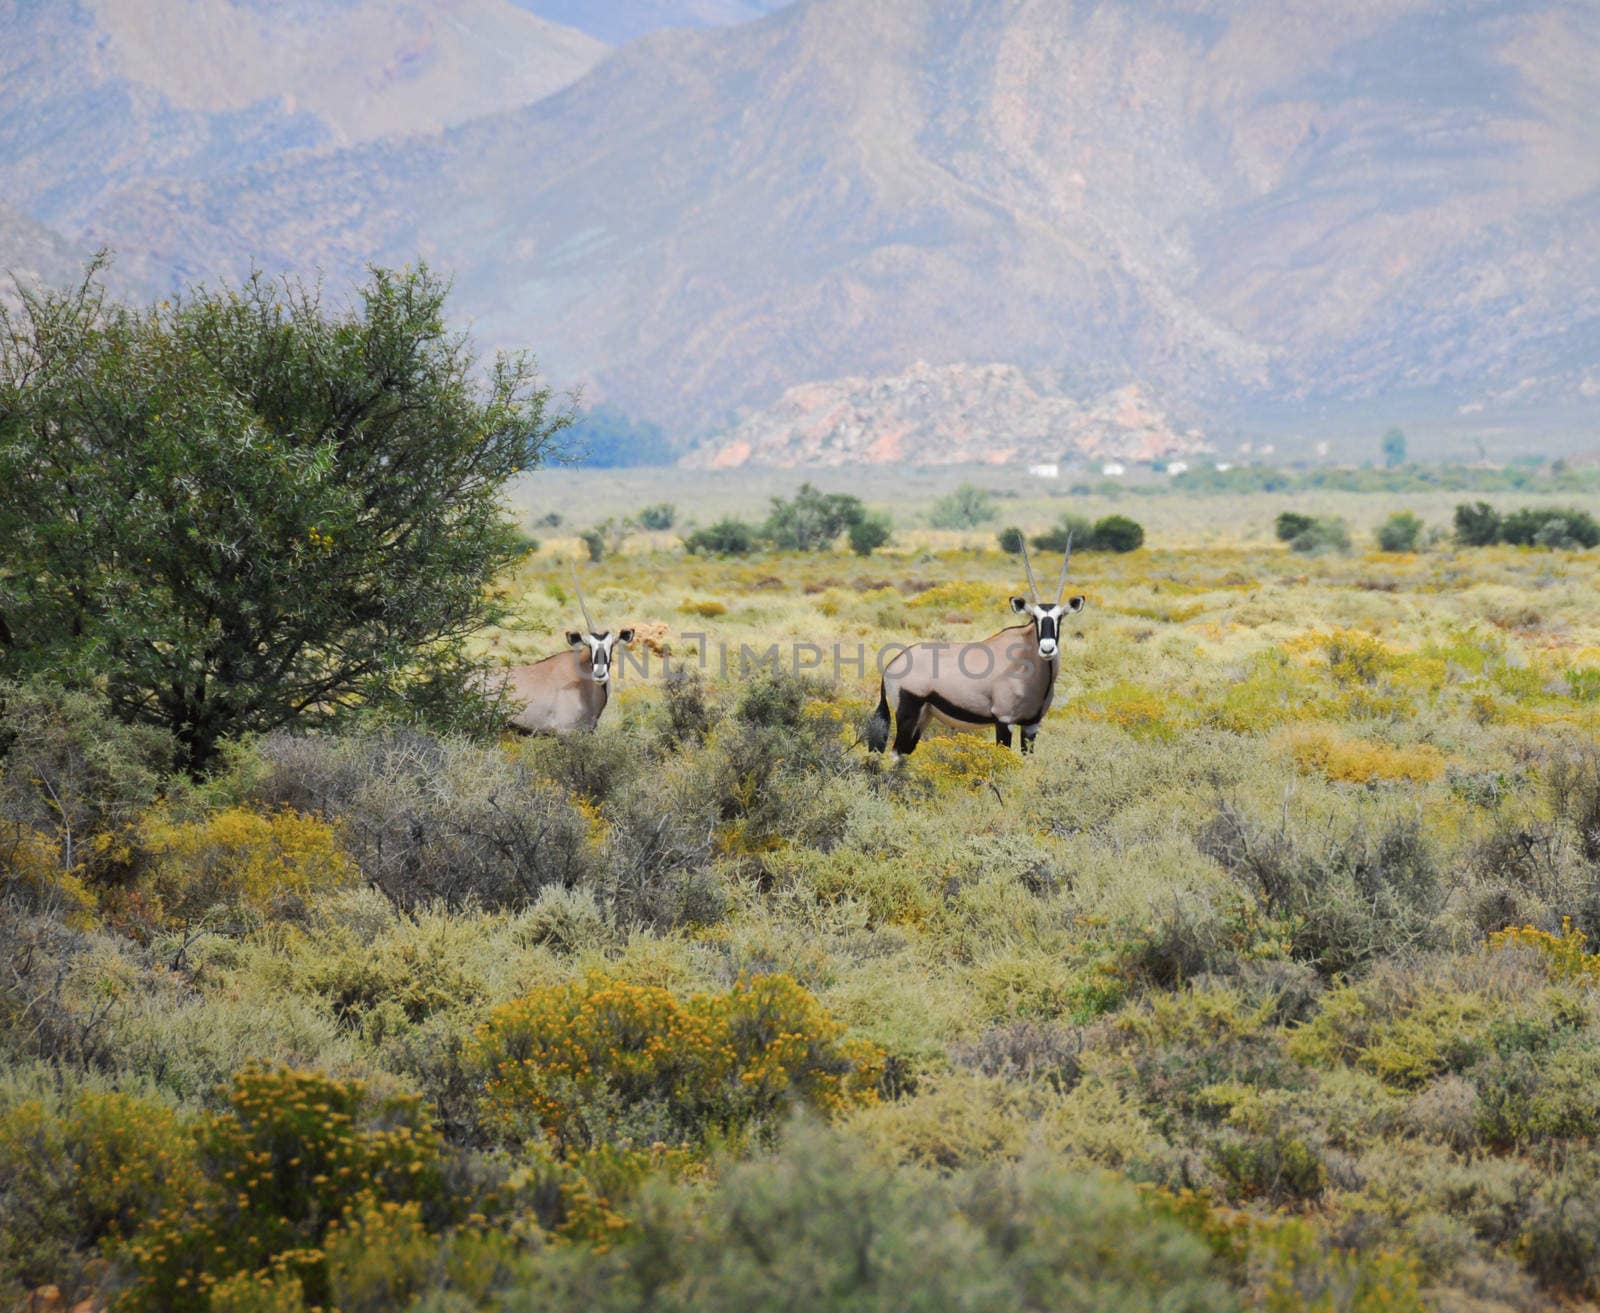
568	691
1006	680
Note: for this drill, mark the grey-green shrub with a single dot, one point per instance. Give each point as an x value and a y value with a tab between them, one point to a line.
431	819
967	507
1400	532
821	1227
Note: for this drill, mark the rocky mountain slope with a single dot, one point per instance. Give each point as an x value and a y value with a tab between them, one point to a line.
1233	205
33	256
101	95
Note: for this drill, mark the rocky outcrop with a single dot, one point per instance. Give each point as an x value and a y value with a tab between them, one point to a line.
947	415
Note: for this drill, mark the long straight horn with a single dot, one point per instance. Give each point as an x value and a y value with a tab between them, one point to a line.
1066	560
581	603
1028	566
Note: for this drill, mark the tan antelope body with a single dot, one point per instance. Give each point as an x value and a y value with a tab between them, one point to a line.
566	692
1008	680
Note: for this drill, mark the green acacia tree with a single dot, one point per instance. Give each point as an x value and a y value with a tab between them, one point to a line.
243	508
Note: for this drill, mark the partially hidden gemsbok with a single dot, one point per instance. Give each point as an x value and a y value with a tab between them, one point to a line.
1006	680
568	691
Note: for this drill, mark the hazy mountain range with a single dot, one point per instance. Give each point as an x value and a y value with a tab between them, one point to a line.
620	21
1247	211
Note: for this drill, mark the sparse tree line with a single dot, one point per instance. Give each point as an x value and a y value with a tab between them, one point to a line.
810	521
1476	525
814	521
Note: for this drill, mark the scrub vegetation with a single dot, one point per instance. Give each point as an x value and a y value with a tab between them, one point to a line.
1267	983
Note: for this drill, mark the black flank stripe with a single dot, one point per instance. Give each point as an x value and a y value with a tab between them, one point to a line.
949	708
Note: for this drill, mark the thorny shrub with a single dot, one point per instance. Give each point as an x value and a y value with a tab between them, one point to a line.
431	820
1348	898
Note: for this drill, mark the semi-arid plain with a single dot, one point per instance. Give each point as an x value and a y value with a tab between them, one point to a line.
1263	983
382	378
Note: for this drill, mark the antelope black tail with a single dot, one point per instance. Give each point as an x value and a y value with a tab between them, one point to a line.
878	726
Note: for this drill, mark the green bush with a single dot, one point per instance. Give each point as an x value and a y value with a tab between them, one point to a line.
1075	527
1348	899
1560	1240
659	517
968	507
870	532
73	782
1115	533
1323	534
1010	540
727	537
82	1172
1569	529
689	714
822	1226
812	520
1477	525
1561	529
1400	532
440	820
1291	524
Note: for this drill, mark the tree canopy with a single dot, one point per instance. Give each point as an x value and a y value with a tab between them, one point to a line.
243	507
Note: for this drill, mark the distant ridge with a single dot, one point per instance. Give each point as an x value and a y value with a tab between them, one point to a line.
1239	207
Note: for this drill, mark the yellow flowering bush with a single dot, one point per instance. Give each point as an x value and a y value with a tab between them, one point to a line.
1142	712
578	1194
90	1174
965	761
380	1256
293	1150
577	1062
31	865
1352	657
1326	751
959	595
239	857
1286	1265
1565	957
1274	691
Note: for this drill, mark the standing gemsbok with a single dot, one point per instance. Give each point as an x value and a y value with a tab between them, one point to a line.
1005	680
567	691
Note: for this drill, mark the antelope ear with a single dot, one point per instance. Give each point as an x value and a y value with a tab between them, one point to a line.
574	638
1019	604
1075	604
625	636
